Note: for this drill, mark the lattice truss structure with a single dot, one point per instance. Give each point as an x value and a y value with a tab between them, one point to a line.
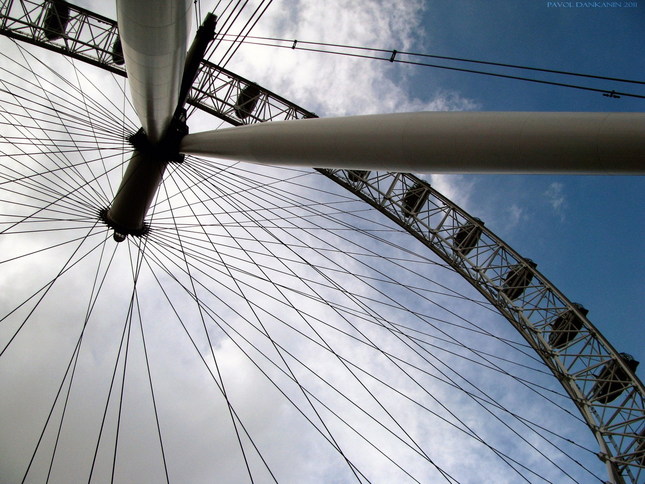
64	28
600	381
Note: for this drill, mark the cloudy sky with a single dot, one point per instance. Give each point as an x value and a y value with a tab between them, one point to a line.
584	232
596	223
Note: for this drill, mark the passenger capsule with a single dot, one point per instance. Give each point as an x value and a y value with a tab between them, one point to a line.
518	279
358	176
566	326
56	20
468	236
117	52
247	101
612	379
414	199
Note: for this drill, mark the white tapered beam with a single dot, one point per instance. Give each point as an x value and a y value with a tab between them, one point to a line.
441	142
154	35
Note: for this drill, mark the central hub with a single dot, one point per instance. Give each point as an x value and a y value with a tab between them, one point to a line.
141	180
146	168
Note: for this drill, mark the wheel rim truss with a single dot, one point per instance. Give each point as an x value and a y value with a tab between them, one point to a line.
532	305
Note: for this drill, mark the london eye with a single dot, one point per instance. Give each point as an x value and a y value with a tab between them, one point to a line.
172	312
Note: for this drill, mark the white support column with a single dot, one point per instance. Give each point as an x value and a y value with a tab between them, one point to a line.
154	35
441	142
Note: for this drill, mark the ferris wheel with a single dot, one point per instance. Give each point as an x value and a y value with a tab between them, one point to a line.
173	317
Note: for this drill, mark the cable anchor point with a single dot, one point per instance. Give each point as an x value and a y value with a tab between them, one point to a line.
611	94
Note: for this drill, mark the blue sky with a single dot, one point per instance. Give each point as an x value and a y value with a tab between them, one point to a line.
590	245
585	232
599	41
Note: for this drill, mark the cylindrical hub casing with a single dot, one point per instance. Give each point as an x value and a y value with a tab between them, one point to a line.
136	193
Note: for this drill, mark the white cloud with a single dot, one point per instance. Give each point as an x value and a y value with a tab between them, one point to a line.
515	215
335	85
455	187
556	198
